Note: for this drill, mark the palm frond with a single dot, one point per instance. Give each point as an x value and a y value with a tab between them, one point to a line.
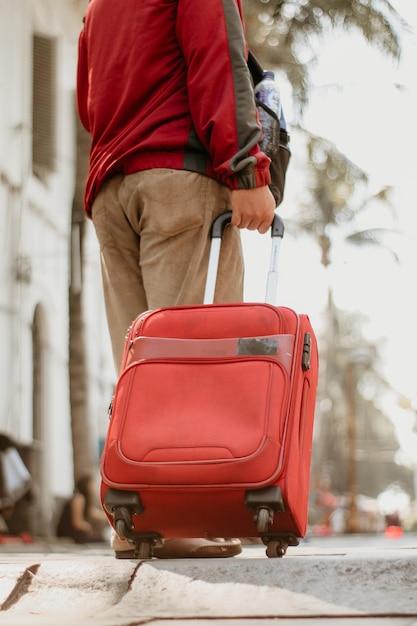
374	237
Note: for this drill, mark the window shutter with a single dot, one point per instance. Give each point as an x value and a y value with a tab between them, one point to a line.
44	105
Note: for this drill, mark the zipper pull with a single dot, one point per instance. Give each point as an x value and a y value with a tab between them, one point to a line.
306	360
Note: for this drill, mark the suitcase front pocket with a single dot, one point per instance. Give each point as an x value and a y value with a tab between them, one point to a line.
218	421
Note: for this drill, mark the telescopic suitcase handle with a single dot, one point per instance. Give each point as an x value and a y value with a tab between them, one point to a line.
217	231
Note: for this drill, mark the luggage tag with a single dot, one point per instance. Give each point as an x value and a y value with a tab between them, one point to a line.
258	345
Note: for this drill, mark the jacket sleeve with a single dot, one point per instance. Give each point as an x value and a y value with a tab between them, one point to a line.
82	82
220	93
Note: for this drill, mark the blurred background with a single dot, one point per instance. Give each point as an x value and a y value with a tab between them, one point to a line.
345	70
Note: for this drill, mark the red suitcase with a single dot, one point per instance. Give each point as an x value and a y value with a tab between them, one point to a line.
211	421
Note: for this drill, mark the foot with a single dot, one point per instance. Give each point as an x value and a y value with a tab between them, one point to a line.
198	548
195	548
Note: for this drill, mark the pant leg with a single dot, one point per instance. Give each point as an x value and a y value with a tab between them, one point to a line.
174	224
153	228
124	294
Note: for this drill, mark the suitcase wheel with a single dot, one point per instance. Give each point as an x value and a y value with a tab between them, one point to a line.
264	503
276	549
277	544
144	550
264	518
123	524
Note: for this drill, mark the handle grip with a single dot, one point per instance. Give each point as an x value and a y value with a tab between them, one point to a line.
216	234
220	223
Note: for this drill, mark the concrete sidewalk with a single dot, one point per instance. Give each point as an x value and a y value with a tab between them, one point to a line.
322	583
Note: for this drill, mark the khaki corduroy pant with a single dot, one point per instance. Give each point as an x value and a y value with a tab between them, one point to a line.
153	231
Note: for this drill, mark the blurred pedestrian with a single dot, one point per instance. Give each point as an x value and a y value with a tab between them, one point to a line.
15	481
80	519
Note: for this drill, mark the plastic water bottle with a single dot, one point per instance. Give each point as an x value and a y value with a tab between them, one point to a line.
268	94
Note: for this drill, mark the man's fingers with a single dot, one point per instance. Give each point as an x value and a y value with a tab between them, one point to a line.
264	227
261	225
236	219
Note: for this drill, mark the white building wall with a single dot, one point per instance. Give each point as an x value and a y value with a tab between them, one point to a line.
35	220
12	137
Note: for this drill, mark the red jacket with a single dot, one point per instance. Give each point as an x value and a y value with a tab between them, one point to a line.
164	83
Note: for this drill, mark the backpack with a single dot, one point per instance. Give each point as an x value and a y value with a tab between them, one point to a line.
281	157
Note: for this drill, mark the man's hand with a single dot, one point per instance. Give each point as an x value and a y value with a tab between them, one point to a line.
253	208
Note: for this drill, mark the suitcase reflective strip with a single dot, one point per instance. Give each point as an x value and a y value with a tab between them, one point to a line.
280	347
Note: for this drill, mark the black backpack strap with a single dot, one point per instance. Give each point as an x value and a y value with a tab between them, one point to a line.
255	68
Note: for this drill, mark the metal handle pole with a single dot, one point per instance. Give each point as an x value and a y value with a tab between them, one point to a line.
216	234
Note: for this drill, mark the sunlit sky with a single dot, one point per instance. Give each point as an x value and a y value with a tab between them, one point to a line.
366	105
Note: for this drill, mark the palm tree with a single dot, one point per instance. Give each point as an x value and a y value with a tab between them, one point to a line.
284	33
336	193
354	436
